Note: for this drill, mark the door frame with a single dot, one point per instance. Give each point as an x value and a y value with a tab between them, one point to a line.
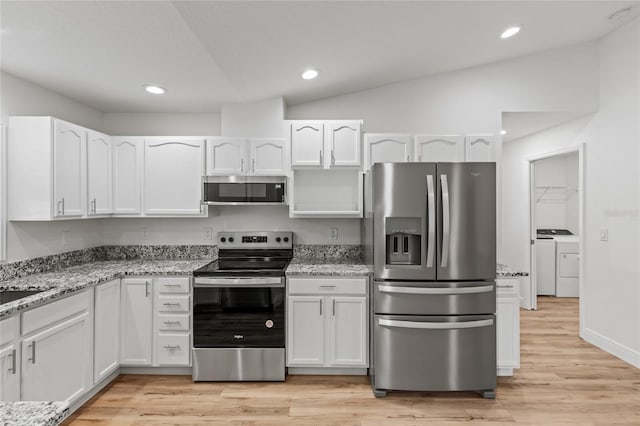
580	148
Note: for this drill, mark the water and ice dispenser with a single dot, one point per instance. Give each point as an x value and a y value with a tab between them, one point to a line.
403	240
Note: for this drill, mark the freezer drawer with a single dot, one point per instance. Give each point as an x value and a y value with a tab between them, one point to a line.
435	353
434	298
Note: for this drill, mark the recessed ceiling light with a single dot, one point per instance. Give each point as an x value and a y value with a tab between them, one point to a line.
510	32
620	14
309	74
503	132
156	90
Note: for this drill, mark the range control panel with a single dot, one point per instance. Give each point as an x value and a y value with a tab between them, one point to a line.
255	239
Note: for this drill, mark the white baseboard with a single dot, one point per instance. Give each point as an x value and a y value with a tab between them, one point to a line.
504	371
326	371
97	388
614	348
165	371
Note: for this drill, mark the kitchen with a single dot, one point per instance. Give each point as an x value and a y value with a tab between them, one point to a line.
582	74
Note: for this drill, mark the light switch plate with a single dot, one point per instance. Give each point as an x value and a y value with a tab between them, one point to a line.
604	234
333	233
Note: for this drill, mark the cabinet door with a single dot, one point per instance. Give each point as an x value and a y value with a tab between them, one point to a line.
479	148
434	148
98	173
68	169
268	156
173	176
343	143
56	362
507	327
227	156
9	373
135	314
307	143
387	148
106	330
127	175
348	332
305	331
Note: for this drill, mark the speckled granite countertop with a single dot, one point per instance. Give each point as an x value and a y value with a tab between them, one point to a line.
75	278
322	267
504	271
33	413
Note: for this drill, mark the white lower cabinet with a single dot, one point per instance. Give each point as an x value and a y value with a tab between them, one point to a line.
136	326
10	359
57	358
172	330
507	325
106	335
327	322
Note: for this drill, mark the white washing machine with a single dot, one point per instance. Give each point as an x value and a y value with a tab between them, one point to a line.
557	263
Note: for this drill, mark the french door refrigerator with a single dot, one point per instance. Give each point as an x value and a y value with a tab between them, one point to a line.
430	233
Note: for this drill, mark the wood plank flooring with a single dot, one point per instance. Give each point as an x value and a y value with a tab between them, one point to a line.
562	380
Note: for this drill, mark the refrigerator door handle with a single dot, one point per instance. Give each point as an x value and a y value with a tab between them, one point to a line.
435	290
436	325
446	229
431	208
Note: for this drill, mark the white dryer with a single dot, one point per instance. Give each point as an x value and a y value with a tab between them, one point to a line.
557	263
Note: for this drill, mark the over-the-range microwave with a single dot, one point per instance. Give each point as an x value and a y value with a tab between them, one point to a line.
244	190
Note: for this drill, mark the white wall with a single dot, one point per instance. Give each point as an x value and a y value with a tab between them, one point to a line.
613	200
162	124
27	239
229	218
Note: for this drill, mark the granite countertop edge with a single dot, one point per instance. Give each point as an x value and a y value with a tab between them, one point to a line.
33	413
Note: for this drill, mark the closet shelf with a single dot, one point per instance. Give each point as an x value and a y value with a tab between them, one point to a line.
554	190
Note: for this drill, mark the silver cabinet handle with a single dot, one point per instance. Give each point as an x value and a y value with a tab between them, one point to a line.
172	347
62	206
333	158
59	208
146	289
408	159
446	226
419	157
242	165
253	165
94	204
172	322
504	286
320	307
173	285
436	325
333	307
13	362
431	207
321	159
171	304
327	286
33	352
435	290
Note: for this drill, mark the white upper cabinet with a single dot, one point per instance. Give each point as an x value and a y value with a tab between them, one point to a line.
307	143
480	148
127	175
226	156
269	156
46	169
98	174
387	148
173	176
434	148
343	143
239	156
68	168
325	144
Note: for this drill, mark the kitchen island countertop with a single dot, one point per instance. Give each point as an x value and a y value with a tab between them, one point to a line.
33	413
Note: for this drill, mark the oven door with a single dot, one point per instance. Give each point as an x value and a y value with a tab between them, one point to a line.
240	190
238	313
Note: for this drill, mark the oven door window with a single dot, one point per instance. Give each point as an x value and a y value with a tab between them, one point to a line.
244	192
238	317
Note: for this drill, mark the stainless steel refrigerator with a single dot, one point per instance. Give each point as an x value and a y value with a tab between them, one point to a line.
430	233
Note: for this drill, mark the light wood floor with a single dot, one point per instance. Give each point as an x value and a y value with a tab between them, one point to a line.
562	380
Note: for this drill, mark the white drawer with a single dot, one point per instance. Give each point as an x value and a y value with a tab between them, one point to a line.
173	304
8	329
173	285
173	349
507	287
328	285
178	322
53	312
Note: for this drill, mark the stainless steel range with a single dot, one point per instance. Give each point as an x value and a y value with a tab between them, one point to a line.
239	309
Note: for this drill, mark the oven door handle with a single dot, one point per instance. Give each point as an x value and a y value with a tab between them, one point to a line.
239	282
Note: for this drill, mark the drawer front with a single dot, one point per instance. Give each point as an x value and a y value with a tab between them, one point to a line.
7	330
173	304
173	285
178	322
507	287
53	312
354	286
173	349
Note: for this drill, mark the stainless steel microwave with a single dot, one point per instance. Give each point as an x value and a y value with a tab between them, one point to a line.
244	190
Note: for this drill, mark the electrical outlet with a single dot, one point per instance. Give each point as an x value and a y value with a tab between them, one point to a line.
333	233
143	233
604	234
208	233
66	238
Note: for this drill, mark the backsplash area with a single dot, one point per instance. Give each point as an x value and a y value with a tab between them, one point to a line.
343	253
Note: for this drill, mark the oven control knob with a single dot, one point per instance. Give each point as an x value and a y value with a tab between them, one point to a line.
223	240
277	239
286	239
230	239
